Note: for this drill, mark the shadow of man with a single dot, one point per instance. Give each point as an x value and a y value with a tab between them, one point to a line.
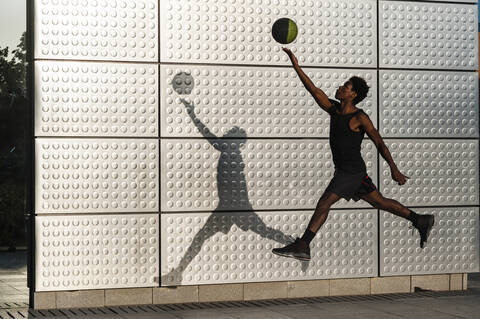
232	192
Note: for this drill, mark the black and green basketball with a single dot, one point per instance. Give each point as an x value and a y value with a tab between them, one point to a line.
284	30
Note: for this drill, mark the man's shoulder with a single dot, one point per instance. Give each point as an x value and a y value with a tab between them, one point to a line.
332	109
362	114
334	102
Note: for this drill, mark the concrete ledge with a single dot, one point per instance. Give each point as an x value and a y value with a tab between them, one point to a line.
247	291
180	294
265	290
310	288
128	296
227	292
354	286
386	285
431	282
45	300
456	281
80	299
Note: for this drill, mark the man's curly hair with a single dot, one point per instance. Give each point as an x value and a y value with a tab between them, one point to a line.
360	87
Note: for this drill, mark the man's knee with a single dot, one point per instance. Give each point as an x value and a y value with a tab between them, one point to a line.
382	203
375	199
324	207
324	204
327	201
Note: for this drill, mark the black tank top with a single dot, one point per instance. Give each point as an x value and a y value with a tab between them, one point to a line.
345	143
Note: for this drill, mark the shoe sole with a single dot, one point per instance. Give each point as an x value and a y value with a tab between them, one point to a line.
290	256
431	222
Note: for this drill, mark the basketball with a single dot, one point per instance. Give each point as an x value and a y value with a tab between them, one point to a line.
284	30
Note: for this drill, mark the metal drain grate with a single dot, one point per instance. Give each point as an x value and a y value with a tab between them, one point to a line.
114	312
13	305
316	300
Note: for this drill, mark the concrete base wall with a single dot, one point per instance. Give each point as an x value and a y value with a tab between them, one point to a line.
247	291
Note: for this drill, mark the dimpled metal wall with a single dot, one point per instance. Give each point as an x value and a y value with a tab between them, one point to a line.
436	112
236	247
96	144
176	145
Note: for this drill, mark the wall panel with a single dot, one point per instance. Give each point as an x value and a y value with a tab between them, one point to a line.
96	99
216	174
96	30
96	176
452	247
433	104
96	252
442	172
331	33
236	247
422	35
265	102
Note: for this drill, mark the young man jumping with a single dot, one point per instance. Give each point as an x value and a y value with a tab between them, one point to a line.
348	125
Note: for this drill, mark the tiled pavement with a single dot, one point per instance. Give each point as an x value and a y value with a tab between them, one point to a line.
424	305
13	278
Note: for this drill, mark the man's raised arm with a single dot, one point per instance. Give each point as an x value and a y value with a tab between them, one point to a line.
320	97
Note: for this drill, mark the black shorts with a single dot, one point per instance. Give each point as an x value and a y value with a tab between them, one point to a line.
350	186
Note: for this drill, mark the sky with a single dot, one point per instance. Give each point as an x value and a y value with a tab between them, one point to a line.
13	22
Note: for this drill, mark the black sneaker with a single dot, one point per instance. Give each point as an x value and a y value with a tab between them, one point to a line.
298	249
424	226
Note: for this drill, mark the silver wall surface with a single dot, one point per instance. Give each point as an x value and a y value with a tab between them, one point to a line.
430	104
236	247
452	248
95	175
96	144
428	35
96	99
175	144
199	175
96	30
332	33
266	102
85	252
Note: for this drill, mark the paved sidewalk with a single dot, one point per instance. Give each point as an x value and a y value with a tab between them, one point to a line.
13	278
424	305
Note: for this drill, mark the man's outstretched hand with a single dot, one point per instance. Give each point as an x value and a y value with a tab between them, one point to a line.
290	55
399	177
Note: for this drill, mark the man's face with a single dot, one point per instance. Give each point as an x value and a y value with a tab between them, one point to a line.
345	92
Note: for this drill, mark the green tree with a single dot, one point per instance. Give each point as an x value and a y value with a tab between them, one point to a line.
13	110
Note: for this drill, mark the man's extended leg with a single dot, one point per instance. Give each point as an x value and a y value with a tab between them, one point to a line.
423	223
321	211
300	248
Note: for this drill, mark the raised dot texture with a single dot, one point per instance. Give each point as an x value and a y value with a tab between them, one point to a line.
452	246
442	172
104	254
97	30
95	175
94	99
236	247
436	104
221	174
342	32
264	103
416	35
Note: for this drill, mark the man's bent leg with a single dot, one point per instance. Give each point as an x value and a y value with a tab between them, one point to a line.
423	223
390	205
394	207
